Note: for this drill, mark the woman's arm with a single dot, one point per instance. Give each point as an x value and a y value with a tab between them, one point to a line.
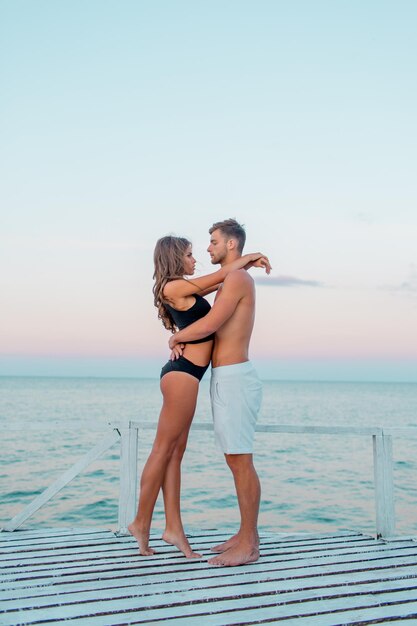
206	292
210	282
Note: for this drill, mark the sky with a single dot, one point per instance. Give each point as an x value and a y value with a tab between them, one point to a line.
126	120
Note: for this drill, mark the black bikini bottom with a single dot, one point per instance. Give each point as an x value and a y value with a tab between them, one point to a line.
184	365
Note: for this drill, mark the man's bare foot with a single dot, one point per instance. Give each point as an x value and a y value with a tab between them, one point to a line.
180	541
239	554
142	537
222	547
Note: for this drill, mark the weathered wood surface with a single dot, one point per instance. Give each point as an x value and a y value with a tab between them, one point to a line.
93	577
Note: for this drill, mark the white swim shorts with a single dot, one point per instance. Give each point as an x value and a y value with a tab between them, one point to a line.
236	394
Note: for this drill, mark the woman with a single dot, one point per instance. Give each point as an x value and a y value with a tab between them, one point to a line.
180	302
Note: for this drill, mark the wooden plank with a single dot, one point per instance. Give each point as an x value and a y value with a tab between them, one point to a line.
103	582
181	569
237	587
68	590
287	428
207	536
17	544
213	610
319	430
250	596
204	540
293	580
398	431
103	445
46	533
64	425
112	552
305	576
95	545
341	617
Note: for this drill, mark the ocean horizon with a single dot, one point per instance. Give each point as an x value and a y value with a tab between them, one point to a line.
294	369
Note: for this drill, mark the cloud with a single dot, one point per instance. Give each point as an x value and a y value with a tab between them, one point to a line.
409	285
287	281
364	217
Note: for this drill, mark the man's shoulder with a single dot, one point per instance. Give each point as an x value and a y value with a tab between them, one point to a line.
238	278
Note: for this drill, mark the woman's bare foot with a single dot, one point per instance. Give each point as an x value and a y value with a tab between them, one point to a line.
240	554
222	547
142	537
180	541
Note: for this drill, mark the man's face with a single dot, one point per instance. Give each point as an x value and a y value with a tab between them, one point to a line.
218	247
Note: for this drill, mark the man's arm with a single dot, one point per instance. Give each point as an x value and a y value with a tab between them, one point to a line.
222	310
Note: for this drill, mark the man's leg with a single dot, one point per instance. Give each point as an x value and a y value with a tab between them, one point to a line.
244	546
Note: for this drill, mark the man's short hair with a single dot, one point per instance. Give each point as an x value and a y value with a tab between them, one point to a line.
232	230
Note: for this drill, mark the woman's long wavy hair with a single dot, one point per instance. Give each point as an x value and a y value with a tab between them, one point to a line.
168	258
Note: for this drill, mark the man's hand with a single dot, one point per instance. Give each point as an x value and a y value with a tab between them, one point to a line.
177	351
263	261
172	342
175	347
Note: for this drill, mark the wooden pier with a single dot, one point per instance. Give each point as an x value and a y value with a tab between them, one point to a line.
94	577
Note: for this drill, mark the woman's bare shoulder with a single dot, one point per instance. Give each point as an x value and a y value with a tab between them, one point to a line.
174	288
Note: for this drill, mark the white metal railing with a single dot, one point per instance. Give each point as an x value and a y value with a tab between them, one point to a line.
127	434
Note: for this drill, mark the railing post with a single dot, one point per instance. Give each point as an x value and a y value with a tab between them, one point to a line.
128	476
384	485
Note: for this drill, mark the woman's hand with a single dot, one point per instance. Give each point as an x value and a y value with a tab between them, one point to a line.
259	260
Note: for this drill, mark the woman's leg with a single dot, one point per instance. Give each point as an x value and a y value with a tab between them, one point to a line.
179	392
171	487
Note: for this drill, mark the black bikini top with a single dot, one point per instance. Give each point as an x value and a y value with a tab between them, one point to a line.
183	319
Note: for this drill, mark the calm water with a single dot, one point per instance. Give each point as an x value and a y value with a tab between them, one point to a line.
308	482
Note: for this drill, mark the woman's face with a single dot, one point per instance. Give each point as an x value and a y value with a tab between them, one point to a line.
189	262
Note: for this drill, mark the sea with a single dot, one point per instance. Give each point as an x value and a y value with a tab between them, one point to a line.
309	482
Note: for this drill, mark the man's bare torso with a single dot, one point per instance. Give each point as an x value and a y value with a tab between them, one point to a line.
232	338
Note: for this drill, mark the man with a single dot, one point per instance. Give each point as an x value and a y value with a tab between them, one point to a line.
235	388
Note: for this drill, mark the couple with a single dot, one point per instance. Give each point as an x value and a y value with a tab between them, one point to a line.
221	335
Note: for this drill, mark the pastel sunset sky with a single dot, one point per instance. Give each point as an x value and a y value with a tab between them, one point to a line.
125	120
